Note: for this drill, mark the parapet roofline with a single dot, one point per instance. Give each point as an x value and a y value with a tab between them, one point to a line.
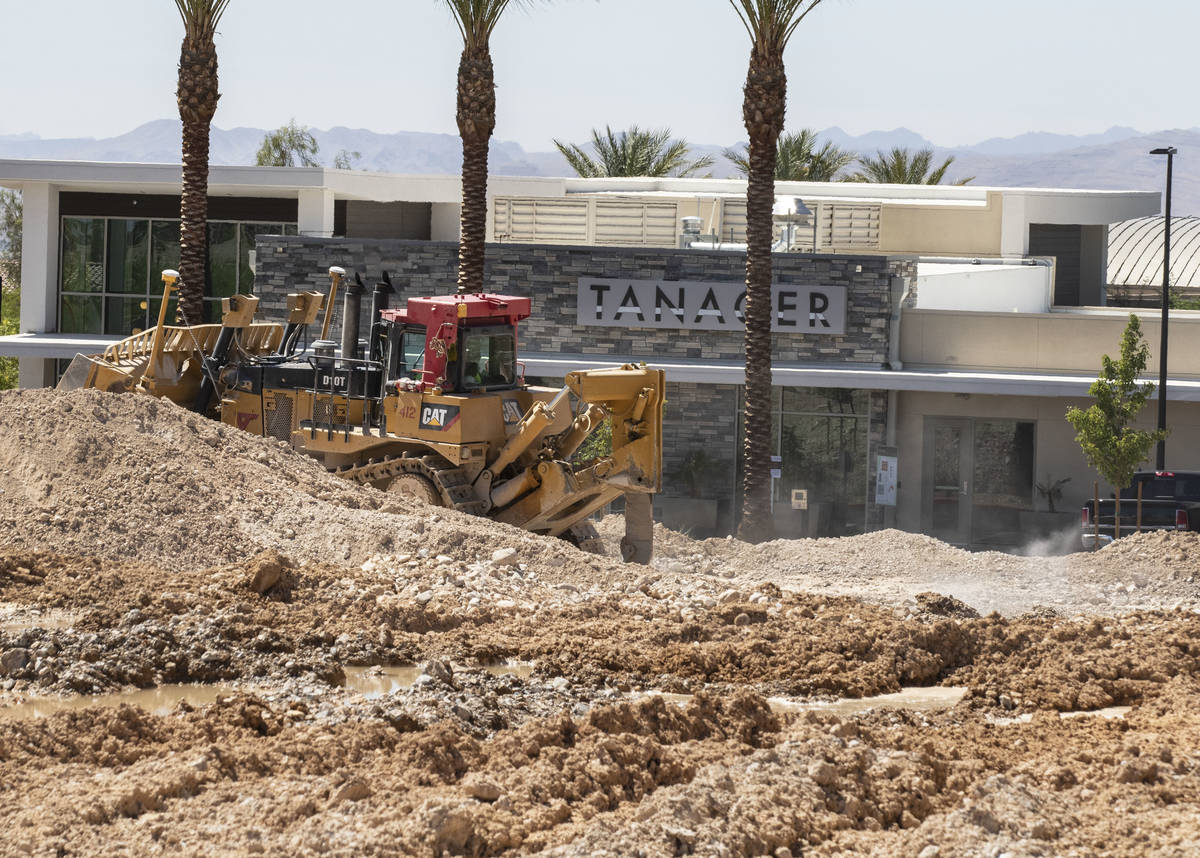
233	180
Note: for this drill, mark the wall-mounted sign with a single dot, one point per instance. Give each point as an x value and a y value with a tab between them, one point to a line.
885	479
799	498
694	305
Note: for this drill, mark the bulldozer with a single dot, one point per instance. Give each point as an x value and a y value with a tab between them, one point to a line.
432	403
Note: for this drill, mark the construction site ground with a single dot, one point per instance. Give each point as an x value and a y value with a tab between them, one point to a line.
209	646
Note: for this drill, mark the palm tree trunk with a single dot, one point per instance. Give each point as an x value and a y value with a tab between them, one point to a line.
473	225
763	111
476	121
197	96
193	226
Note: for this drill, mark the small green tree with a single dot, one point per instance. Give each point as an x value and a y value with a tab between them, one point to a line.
286	146
11	219
10	311
345	159
10	278
1112	446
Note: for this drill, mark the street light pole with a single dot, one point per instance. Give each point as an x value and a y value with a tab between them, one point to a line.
1161	458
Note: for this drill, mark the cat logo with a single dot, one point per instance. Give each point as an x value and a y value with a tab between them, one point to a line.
438	417
245	418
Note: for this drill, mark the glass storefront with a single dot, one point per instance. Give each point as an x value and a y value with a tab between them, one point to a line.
111	269
820	436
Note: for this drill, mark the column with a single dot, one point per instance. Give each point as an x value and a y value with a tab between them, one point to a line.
39	275
315	215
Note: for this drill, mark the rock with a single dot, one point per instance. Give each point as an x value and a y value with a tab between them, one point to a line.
439	670
504	557
930	851
730	596
355	789
264	571
13	660
1138	771
424	597
823	773
481	788
742	619
1007	703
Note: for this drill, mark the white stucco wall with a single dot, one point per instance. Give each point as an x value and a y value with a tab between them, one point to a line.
444	221
984	288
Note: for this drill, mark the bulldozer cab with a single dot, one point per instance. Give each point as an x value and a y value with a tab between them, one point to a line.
457	343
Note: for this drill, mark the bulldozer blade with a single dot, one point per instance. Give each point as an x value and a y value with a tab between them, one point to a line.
78	374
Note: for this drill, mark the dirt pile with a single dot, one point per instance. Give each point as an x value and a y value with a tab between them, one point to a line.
892	567
131	478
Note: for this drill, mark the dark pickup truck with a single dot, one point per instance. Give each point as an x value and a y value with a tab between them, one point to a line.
1170	501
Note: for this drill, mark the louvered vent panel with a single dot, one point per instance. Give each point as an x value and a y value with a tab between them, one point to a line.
853	226
733	221
636	224
541	221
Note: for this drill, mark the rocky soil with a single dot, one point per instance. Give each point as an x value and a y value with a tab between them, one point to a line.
661	710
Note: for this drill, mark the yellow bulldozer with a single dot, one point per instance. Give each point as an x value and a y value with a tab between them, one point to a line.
433	403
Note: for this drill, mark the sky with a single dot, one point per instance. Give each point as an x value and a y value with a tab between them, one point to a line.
955	71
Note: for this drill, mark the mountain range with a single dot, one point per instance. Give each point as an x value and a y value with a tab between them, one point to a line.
1116	159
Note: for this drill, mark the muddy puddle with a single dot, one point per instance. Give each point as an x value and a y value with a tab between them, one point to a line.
915	699
157	701
15	619
1108	713
378	681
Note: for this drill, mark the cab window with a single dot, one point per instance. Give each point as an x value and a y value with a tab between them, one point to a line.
411	353
489	357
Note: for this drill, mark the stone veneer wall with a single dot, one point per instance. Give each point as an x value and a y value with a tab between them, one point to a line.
550	275
698	416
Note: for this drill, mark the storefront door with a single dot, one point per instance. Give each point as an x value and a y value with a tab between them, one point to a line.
978	480
947	479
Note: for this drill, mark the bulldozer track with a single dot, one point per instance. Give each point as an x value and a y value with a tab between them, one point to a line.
450	481
452	484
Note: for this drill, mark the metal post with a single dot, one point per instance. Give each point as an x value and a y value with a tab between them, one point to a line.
1161	457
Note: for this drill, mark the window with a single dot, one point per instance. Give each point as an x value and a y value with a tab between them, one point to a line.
489	358
820	437
412	354
111	270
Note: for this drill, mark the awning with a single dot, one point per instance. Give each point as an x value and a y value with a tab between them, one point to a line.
874	378
51	346
923	379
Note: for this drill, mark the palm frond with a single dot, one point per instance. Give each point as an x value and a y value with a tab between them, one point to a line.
901	166
477	19
633	152
201	17
771	23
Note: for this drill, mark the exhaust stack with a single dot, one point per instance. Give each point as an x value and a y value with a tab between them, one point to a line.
350	312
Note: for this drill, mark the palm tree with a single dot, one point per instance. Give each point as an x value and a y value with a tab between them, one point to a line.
197	96
798	160
902	167
770	24
633	152
476	20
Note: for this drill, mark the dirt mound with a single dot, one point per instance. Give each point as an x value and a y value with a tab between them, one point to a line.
131	478
894	567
